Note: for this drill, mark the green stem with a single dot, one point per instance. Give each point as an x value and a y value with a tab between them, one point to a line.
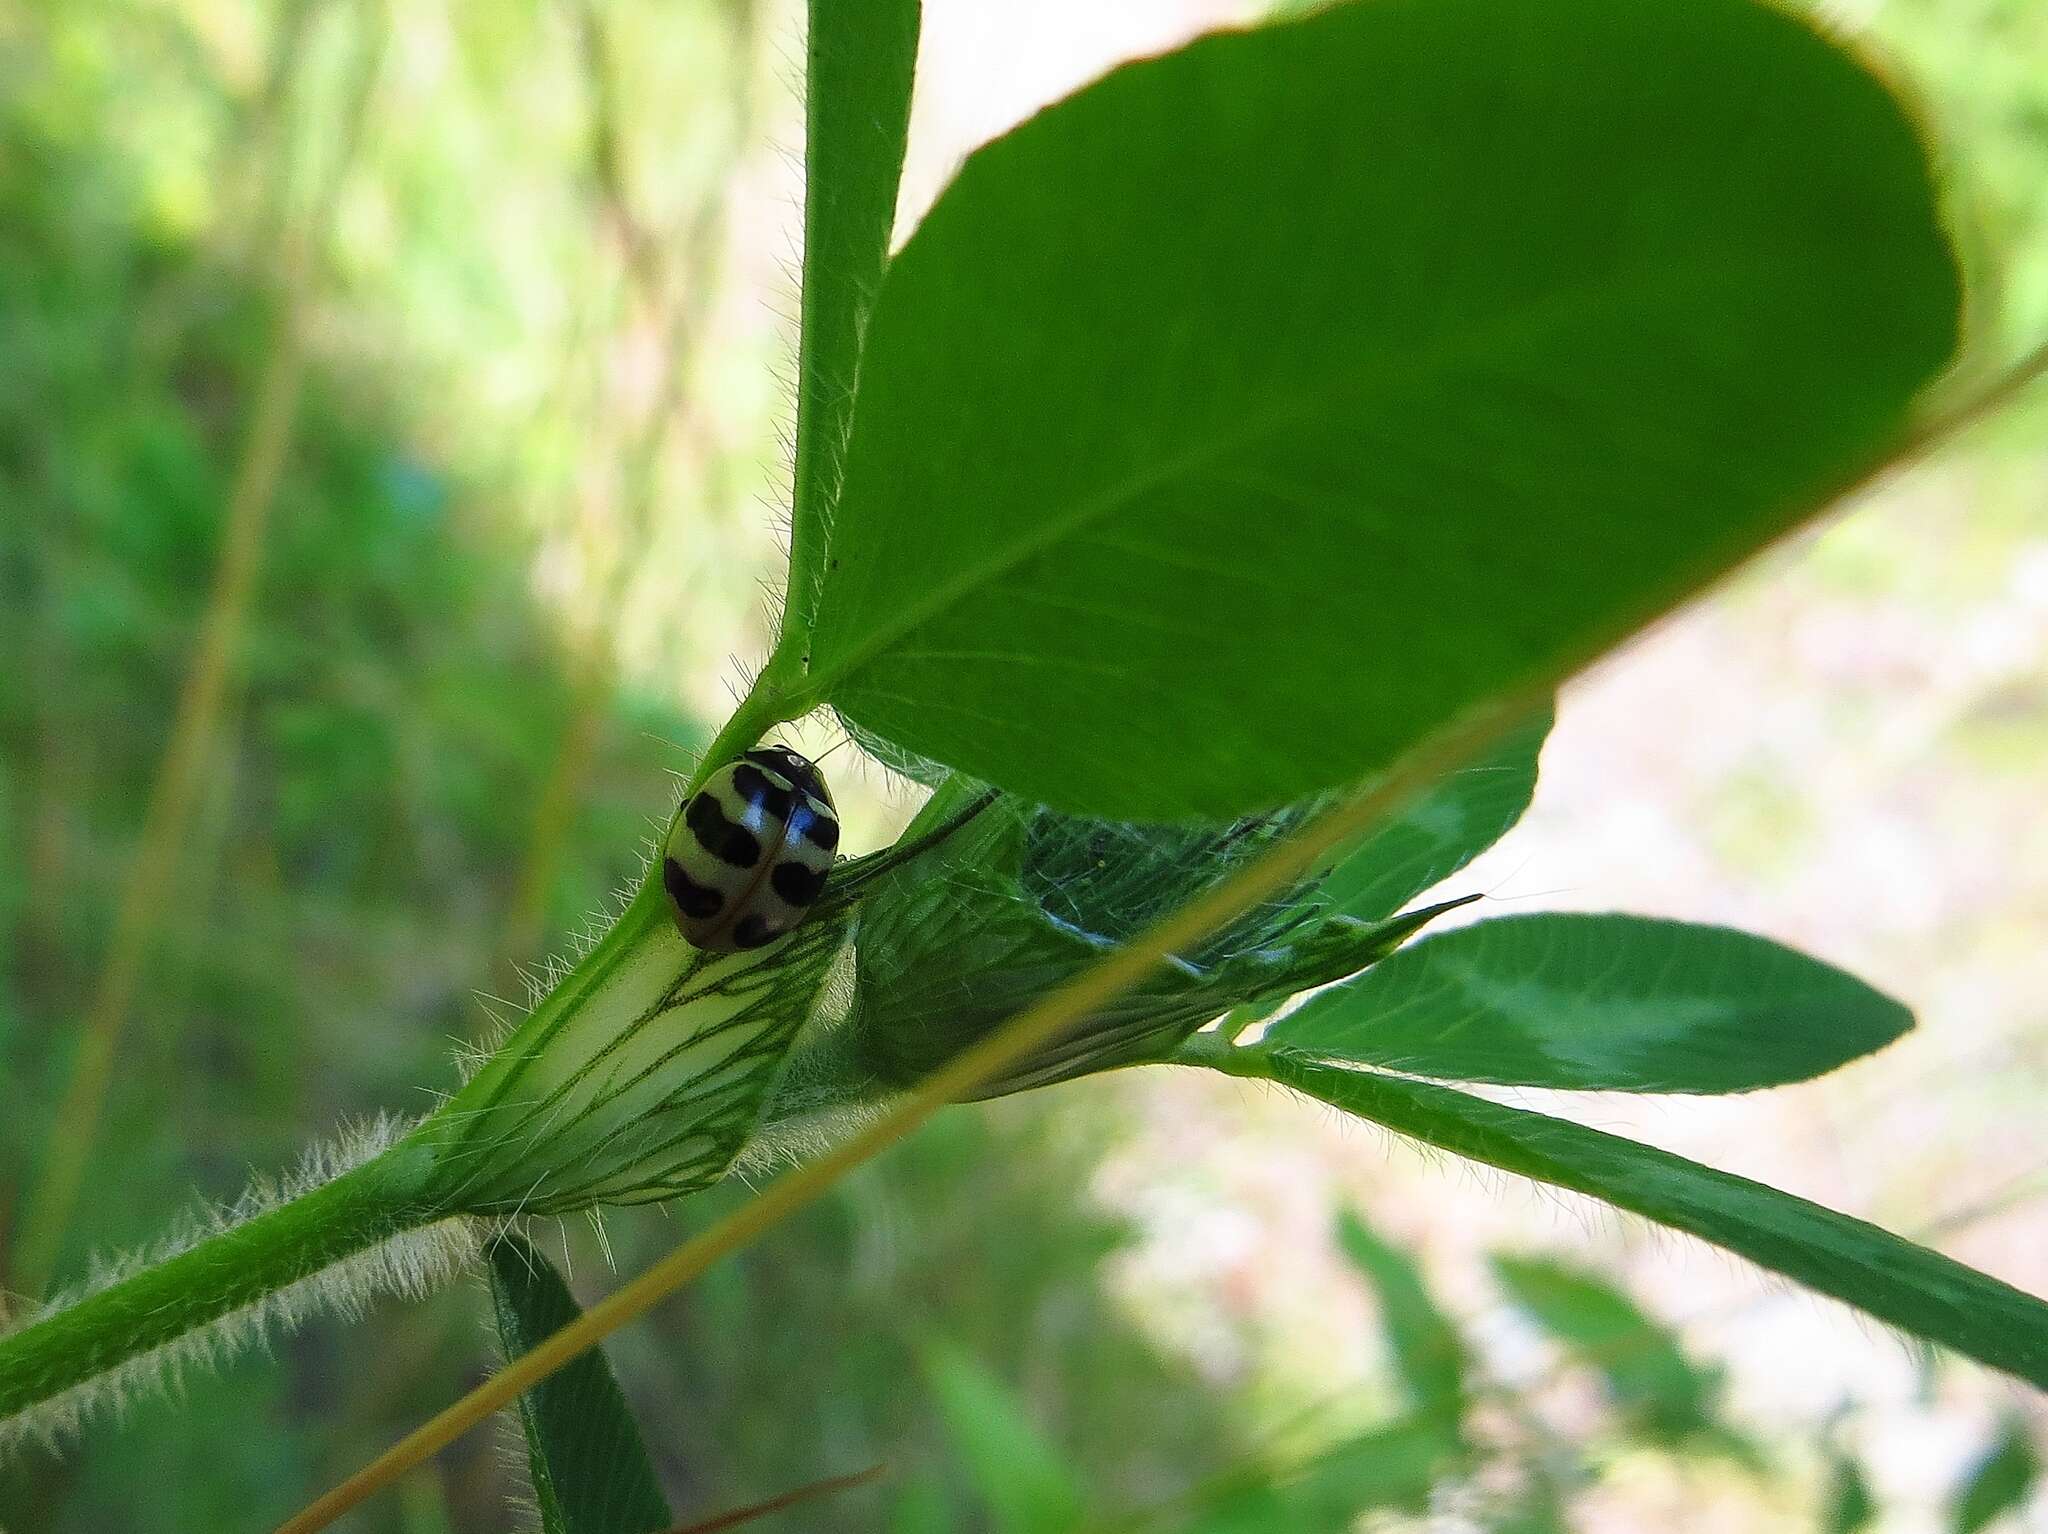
1219	1052
222	1274
765	706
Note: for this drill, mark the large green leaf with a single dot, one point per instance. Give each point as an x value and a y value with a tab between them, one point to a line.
1027	1485
1915	1289
1237	422
1647	1372
1440	831
591	1474
860	60
1627	1002
1426	1346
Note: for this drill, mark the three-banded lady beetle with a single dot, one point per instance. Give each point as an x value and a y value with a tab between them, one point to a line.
749	853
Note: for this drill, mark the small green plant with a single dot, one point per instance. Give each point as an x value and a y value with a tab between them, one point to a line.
1206	502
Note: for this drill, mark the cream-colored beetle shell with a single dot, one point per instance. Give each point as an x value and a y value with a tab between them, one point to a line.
749	854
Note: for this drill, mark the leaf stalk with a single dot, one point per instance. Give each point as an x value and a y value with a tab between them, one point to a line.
235	1269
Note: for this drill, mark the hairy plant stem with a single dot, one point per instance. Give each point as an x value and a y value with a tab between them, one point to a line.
640	1076
764	707
217	1276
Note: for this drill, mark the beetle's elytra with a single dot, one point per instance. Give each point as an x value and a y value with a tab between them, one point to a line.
749	854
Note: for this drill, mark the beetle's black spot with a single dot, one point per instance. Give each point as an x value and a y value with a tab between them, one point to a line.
823	829
762	788
752	931
692	899
720	837
797	884
799	770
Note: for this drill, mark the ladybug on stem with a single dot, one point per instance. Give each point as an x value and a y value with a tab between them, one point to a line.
748	856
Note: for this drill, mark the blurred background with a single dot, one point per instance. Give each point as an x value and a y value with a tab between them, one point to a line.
464	332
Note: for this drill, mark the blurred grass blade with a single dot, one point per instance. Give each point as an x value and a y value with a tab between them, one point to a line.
1389	1467
1439	832
1648	1376
1394	1466
1917	1290
2000	1480
147	892
811	1491
591	1473
1027	1485
860	60
1425	1345
1850	1508
1625	1002
1264	282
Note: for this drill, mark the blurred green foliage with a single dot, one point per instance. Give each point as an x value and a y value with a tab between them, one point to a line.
965	1264
2000	1480
1658	1390
1980	69
401	700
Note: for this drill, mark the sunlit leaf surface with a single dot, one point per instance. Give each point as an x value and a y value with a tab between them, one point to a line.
1627	1002
1237	422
